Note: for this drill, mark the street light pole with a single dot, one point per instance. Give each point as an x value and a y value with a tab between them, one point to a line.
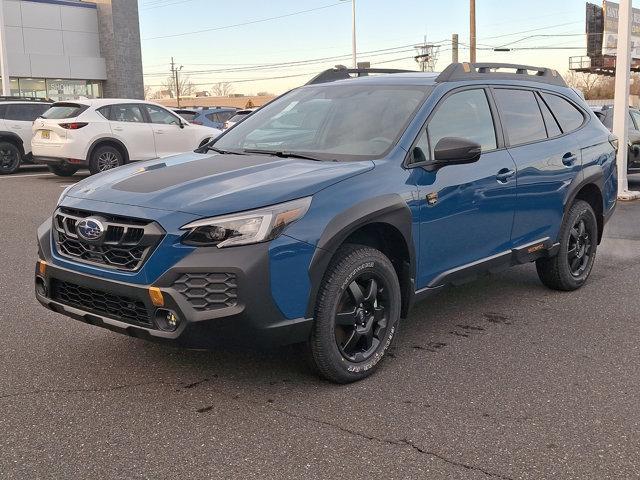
353	33
621	101
4	67
472	31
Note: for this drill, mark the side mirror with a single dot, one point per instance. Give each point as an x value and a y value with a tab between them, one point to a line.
181	124
455	151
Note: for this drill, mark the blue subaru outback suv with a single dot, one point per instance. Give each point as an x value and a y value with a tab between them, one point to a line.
325	215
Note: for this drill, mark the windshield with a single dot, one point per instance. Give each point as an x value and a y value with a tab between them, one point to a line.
332	122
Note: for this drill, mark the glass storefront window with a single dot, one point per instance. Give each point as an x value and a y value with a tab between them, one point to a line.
55	89
33	87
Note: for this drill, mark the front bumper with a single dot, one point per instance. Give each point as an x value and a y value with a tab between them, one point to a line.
251	319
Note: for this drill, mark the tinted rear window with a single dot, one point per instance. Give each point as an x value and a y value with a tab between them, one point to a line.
568	116
64	110
521	116
26	112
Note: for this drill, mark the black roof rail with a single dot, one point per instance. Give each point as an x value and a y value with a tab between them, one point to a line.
25	99
493	71
344	73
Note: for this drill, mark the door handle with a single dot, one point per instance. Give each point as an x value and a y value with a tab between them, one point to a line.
118	129
569	159
159	132
504	175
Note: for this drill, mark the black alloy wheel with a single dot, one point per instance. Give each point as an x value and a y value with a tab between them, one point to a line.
10	158
361	321
580	246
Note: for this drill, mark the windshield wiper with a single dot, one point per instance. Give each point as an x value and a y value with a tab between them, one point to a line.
284	154
206	148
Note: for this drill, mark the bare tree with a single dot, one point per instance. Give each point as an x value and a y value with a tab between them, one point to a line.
586	82
186	86
147	92
222	89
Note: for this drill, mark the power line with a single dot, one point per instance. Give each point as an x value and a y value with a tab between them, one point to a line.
252	22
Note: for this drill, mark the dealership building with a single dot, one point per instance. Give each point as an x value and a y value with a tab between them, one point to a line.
70	49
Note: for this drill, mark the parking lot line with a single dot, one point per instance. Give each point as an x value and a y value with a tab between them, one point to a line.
27	175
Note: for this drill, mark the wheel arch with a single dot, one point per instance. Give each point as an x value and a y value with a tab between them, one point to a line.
590	190
109	141
14	139
384	223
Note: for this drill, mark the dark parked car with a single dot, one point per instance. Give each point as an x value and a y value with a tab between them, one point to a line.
325	215
605	114
209	117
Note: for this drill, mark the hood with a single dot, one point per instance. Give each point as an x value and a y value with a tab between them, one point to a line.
214	184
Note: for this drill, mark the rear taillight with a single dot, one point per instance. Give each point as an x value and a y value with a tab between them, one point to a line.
73	125
613	140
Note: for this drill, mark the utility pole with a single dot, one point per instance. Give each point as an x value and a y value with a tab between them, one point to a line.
621	101
353	33
175	74
472	31
454	48
4	67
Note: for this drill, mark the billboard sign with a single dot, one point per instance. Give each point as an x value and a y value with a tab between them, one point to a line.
610	30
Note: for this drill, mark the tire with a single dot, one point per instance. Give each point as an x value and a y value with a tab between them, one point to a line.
571	267
105	158
63	170
356	315
10	158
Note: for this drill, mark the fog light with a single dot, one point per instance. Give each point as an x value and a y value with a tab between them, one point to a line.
41	287
167	320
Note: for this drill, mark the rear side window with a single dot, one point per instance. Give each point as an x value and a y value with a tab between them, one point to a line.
568	116
26	112
521	116
214	117
465	115
61	111
125	113
553	130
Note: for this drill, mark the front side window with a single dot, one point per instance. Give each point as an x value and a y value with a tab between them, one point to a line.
521	116
568	116
126	113
161	116
330	122
465	115
636	116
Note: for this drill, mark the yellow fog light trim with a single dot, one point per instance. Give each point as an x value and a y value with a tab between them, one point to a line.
42	267
156	296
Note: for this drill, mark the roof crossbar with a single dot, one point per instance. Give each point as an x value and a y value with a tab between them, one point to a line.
344	73
499	71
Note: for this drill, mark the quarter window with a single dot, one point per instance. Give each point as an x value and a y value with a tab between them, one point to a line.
568	116
465	115
521	116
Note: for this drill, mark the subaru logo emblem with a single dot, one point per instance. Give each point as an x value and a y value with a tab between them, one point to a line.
90	229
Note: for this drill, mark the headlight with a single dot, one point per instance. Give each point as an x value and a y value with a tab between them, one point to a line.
245	228
63	194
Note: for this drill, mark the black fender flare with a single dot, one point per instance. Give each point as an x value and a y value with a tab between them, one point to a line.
593	175
389	209
108	140
13	138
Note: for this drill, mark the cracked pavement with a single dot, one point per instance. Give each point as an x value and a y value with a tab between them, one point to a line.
499	378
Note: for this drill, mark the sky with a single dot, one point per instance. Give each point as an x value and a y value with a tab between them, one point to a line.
222	49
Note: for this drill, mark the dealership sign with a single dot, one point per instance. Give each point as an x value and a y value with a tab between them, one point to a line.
610	30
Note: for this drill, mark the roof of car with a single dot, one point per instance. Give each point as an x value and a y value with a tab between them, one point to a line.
100	102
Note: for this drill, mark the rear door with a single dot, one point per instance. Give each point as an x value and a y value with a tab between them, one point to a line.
170	138
19	117
537	131
129	125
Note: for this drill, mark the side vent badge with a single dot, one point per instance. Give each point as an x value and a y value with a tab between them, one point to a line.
432	198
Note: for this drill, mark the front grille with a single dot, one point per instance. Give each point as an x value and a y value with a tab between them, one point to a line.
121	308
208	291
125	245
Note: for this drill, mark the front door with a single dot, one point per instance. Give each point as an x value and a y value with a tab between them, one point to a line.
171	138
466	210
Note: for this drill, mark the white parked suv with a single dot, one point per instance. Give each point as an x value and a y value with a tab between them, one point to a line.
106	133
16	118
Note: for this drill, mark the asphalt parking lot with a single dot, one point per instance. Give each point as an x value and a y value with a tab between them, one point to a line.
499	378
